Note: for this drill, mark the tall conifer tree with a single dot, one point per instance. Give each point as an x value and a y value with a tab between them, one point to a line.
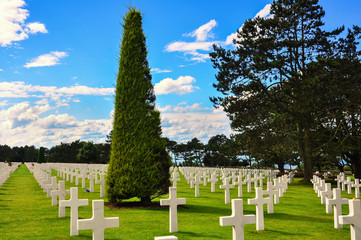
139	163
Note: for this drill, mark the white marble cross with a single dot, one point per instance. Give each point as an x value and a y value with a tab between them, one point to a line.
239	183
327	193
237	220
249	181
226	186
83	175
102	184
342	181
52	186
259	201
349	185
92	177
61	192
175	177
166	238
74	204
337	201
197	181
173	202
354	218
213	180
205	177
357	186
272	195
98	223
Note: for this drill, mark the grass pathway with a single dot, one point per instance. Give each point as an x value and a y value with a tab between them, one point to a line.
26	213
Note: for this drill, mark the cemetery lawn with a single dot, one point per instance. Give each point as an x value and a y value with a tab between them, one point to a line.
26	213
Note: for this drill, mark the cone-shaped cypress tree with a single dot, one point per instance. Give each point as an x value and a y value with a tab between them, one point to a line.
139	163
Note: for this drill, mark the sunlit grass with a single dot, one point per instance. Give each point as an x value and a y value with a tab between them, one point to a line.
26	213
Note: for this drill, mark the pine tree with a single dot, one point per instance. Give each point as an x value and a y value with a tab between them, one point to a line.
139	163
41	155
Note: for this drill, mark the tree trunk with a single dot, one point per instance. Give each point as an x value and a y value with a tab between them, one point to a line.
281	167
307	161
145	201
356	164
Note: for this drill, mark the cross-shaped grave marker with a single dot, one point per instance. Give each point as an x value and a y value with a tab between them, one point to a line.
259	201
226	186
337	201
74	204
101	181
61	192
173	202
357	186
52	186
270	192
213	180
249	181
92	177
349	185
83	175
196	182
98	223
239	183
175	177
237	220
354	218
327	193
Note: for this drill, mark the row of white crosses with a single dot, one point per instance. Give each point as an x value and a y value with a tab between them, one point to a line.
6	170
350	184
237	220
98	223
81	171
333	198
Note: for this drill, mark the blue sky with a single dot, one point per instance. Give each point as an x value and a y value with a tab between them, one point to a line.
59	60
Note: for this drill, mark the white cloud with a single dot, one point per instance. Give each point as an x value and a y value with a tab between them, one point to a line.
203	125
264	13
23	124
59	95
188	46
181	85
190	108
46	60
4	103
193	48
1	70
203	32
13	27
35	27
158	70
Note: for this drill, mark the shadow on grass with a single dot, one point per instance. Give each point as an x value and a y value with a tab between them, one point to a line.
197	235
204	209
289	217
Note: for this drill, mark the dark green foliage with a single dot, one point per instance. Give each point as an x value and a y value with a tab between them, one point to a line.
138	161
88	153
281	79
41	155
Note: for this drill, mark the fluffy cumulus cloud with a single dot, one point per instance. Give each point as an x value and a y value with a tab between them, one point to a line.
263	13
49	93
13	25
184	126
197	50
46	60
158	70
24	124
181	85
203	32
183	122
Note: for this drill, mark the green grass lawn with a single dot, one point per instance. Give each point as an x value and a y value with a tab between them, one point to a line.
26	213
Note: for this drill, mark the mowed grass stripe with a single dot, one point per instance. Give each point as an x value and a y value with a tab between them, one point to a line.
26	213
